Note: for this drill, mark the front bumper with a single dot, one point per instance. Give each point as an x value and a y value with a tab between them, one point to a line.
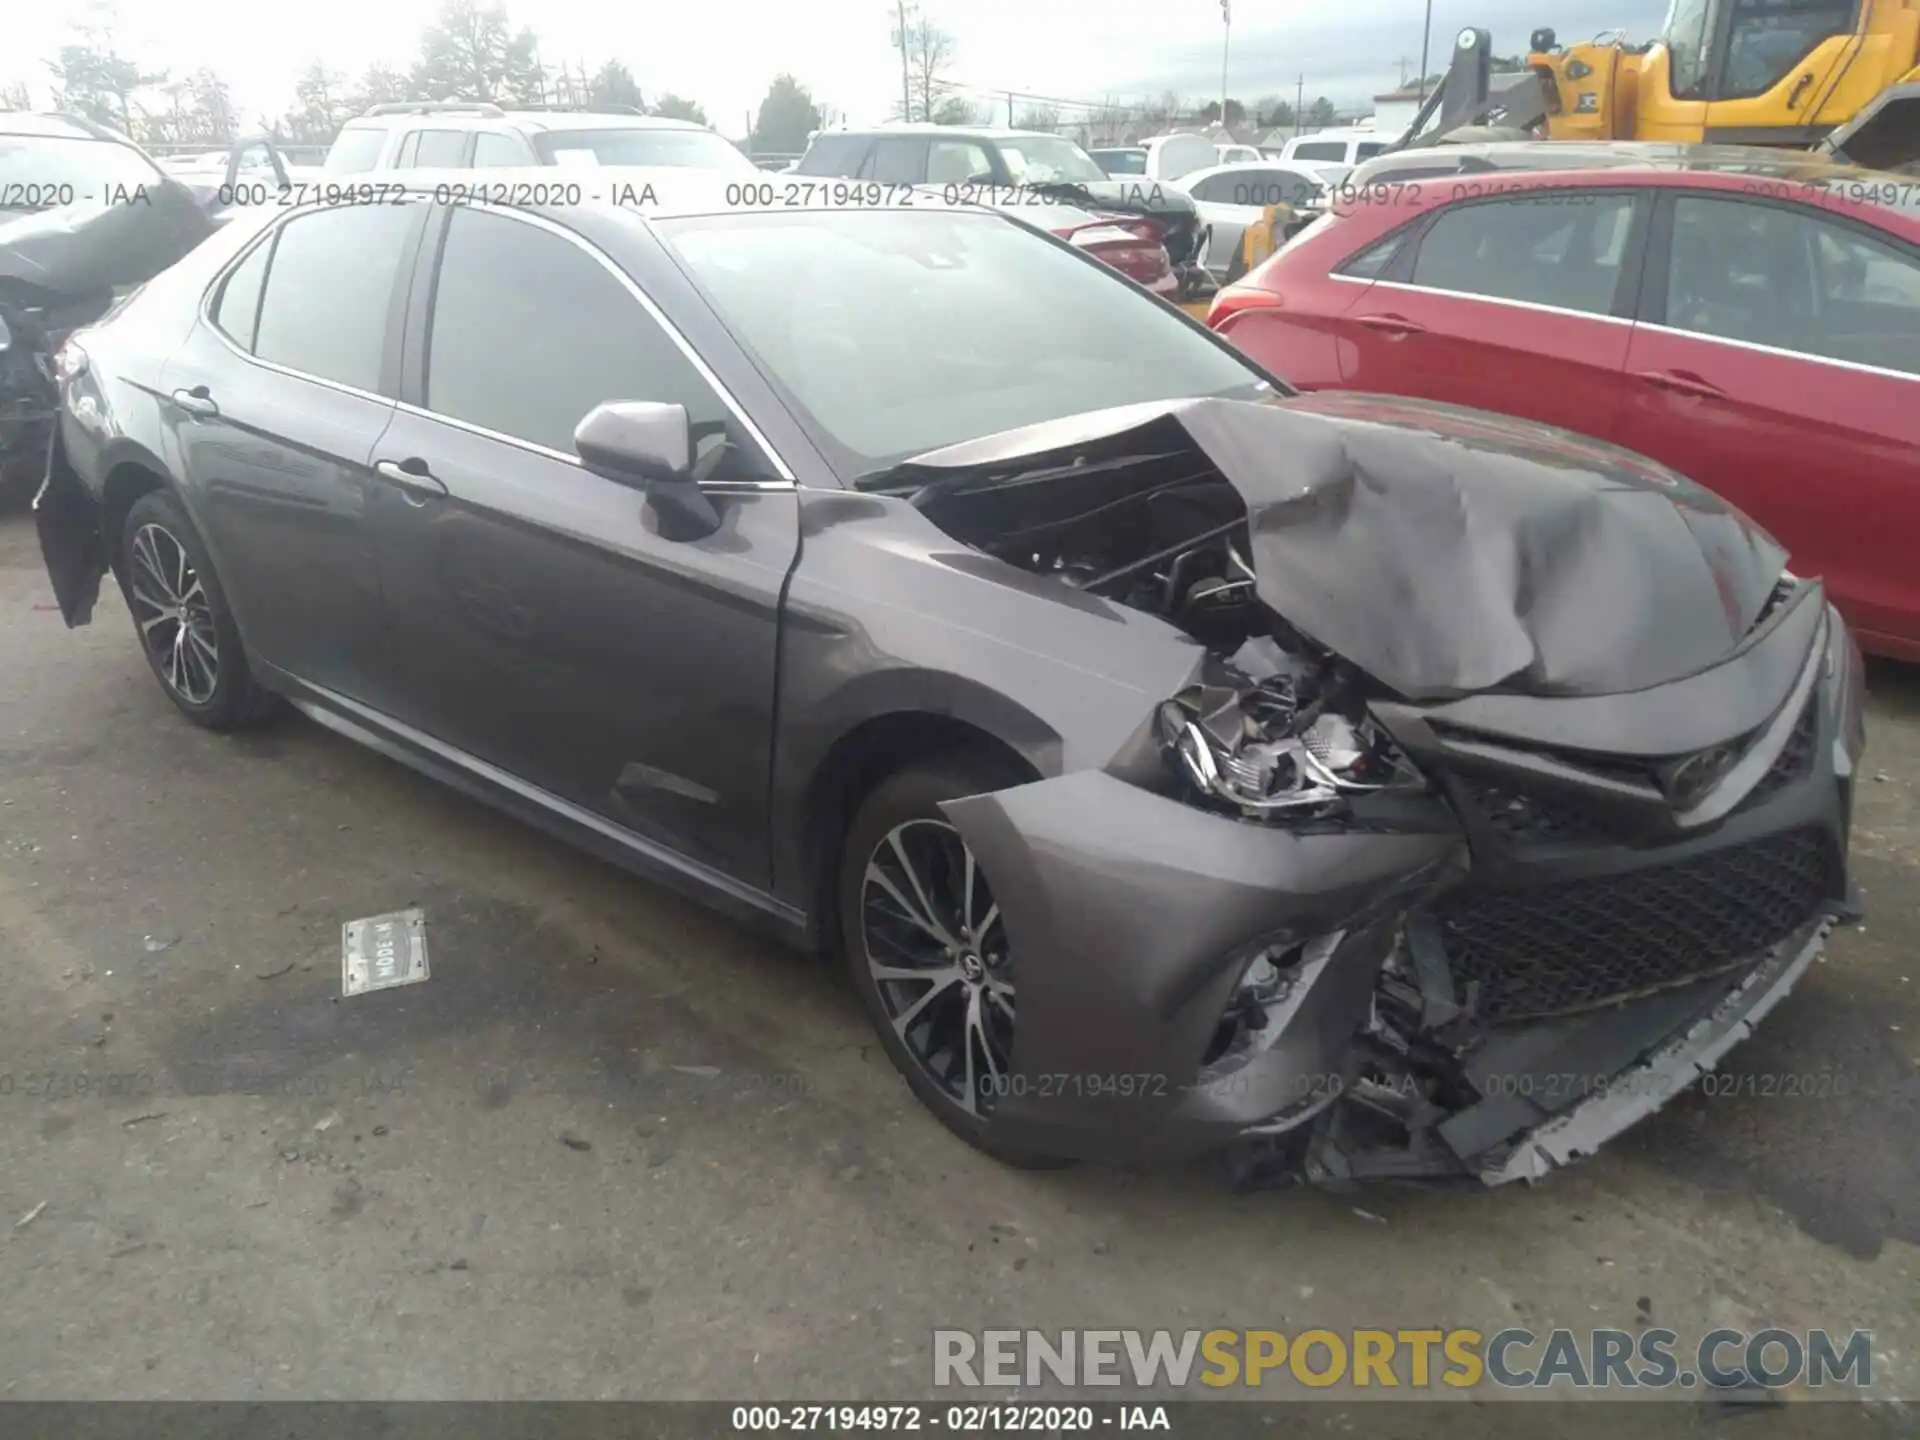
1620	1099
1133	918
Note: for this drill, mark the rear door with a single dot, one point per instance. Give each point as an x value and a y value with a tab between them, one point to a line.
1777	362
276	401
1520	304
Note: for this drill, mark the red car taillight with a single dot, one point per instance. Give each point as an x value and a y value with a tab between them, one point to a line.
1132	247
1237	300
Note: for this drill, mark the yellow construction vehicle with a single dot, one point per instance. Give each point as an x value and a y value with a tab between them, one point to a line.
1838	76
1841	76
1747	72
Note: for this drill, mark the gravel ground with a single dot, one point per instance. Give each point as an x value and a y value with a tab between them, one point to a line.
616	1147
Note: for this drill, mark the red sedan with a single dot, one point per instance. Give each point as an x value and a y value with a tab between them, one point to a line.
1748	318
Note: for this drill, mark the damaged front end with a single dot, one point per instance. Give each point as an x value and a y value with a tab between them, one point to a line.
1510	788
62	269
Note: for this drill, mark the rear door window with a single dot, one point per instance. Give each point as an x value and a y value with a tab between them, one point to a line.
834	155
441	150
897	160
1558	248
1789	278
954	162
491	150
330	283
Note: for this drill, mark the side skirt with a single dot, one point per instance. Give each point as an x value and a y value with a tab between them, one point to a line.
549	812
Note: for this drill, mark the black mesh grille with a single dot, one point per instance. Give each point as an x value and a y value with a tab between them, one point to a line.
1569	947
1524	819
1794	761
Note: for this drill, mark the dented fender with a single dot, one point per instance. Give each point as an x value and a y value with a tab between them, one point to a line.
1131	917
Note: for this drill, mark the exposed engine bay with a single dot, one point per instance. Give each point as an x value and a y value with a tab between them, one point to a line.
1278	727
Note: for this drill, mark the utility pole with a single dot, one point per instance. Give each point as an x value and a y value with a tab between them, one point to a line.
1299	105
1426	32
906	93
1226	35
1009	109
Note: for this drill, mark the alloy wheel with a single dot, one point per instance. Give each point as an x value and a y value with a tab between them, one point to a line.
937	951
175	618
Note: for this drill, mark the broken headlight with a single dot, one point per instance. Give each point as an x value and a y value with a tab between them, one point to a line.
1289	744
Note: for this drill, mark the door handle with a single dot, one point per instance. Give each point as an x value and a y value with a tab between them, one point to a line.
1799	89
1682	383
412	476
196	401
1394	325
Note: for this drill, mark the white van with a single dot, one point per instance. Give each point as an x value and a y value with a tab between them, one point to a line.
1342	147
1171	156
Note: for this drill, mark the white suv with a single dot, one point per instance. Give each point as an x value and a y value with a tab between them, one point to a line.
461	135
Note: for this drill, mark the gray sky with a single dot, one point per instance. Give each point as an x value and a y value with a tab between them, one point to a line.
724	54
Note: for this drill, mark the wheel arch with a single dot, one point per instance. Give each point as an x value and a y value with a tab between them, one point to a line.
130	472
880	744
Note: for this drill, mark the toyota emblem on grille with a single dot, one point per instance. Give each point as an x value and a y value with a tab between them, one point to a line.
1694	776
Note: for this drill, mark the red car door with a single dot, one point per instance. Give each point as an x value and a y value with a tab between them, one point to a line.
1520	304
1777	362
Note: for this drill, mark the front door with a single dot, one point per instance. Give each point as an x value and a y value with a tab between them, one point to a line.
541	622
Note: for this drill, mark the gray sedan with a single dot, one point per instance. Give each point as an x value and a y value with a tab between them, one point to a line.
1173	762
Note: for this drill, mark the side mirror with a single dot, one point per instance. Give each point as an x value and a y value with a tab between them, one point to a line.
649	446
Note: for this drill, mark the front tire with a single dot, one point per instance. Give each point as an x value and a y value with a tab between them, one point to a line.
182	619
926	949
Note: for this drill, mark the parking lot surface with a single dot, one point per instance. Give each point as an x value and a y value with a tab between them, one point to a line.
618	1147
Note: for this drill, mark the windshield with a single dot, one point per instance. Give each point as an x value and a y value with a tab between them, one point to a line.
44	172
899	331
1122	162
1689	36
1043	159
636	145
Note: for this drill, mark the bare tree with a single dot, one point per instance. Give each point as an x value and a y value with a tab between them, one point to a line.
930	52
380	85
956	110
467	53
1039	117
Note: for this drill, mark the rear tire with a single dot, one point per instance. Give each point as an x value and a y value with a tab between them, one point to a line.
950	1034
181	617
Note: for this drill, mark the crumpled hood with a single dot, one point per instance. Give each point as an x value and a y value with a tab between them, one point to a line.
88	248
1446	551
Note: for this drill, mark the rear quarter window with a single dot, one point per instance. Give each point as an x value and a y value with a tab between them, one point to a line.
354	150
834	155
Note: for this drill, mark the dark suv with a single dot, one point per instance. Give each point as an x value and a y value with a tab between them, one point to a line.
84	214
998	164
